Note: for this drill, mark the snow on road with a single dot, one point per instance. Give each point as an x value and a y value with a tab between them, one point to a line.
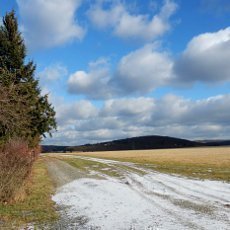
150	201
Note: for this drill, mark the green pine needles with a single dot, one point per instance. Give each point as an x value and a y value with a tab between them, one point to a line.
24	112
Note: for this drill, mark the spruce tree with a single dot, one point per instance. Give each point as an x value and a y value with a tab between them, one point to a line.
18	76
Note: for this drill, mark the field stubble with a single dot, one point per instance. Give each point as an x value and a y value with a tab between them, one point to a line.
204	163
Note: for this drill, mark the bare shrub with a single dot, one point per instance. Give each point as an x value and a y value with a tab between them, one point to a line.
16	160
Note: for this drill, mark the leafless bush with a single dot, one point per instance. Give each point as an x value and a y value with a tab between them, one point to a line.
16	161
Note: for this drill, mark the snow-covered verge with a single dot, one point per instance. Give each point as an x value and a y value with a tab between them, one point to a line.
150	201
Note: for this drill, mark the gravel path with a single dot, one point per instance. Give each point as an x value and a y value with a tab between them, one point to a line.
152	201
61	172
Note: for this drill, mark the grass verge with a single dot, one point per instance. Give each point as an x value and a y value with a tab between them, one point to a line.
87	165
201	163
199	171
37	208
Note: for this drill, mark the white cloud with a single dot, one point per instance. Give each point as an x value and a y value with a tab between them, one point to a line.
206	59
128	107
49	23
82	122
105	18
70	113
144	69
100	62
53	73
178	111
127	25
141	71
94	83
52	79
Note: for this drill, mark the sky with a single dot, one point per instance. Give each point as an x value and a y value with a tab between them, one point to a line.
120	68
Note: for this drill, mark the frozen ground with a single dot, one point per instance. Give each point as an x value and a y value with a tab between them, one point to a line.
141	199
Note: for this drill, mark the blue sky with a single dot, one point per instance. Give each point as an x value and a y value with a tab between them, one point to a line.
120	68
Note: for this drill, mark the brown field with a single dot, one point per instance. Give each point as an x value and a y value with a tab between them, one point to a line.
212	156
206	163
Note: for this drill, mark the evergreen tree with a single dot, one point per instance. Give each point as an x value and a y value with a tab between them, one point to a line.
13	111
17	76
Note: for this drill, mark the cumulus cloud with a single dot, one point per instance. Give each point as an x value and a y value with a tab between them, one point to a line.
69	114
52	78
82	122
206	59
128	107
53	73
176	110
141	71
94	83
49	23
127	25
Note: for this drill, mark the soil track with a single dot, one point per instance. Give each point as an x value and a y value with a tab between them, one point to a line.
61	172
138	199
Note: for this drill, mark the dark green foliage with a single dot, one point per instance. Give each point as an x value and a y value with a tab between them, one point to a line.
31	115
14	114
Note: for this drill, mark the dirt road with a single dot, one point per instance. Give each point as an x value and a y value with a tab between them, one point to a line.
136	198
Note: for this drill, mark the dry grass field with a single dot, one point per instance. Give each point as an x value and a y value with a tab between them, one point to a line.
205	163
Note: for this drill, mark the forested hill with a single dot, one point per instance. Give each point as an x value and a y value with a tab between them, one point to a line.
134	143
215	142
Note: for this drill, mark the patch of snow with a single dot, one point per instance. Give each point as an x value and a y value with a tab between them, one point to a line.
154	201
110	204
